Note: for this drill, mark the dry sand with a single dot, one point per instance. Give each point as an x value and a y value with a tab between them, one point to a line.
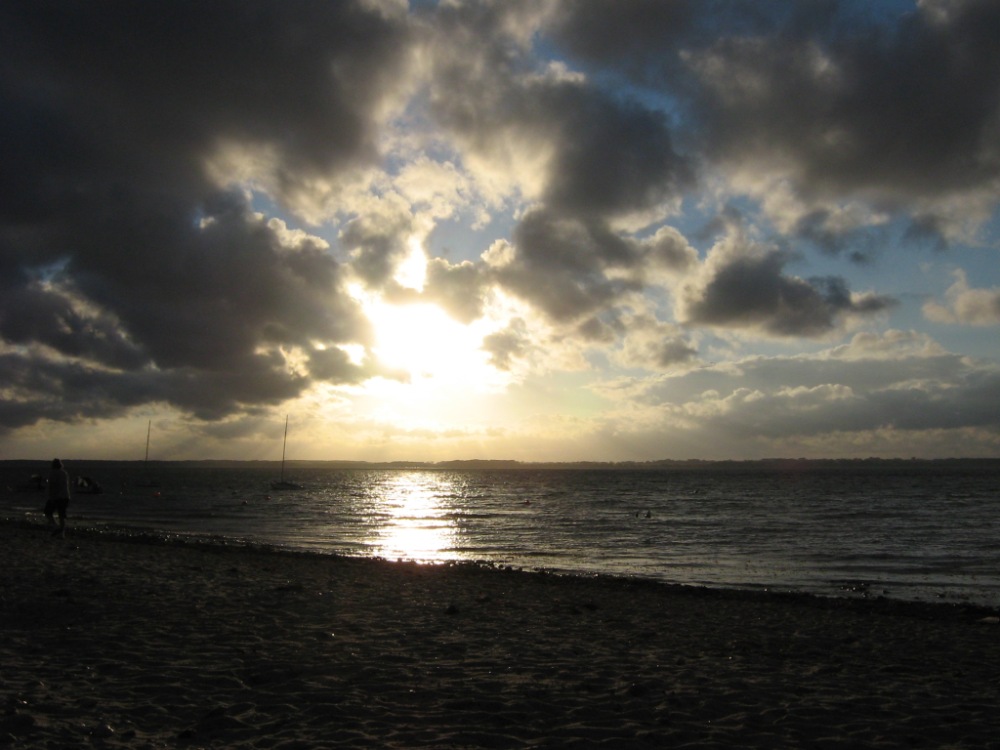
112	643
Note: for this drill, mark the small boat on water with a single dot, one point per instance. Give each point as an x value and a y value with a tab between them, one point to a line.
282	483
88	486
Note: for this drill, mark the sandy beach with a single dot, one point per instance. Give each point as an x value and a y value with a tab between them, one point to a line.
110	642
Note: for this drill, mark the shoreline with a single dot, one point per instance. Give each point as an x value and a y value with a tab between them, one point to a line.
127	642
222	543
848	590
769	465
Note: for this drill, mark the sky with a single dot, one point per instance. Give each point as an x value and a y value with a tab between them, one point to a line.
540	230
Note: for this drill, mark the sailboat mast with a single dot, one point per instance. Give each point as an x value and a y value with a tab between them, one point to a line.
283	444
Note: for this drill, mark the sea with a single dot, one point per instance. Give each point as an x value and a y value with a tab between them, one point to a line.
909	530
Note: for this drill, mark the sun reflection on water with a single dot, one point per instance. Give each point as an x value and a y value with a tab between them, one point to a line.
416	524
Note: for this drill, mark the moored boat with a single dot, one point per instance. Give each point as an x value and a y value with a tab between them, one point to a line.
282	483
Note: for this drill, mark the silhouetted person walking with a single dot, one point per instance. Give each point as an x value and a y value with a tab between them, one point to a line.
58	501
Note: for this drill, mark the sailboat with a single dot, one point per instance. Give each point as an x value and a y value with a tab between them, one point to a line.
282	484
147	482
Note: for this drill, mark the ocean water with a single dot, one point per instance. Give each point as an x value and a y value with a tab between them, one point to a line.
926	531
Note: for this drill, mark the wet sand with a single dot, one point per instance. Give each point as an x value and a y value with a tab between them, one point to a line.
109	642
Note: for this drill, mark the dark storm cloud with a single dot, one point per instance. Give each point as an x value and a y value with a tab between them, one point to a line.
572	268
378	243
42	314
612	157
906	111
128	272
644	38
67	391
751	291
606	155
119	84
240	289
561	263
861	246
883	103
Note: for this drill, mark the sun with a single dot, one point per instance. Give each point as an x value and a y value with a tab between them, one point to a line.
423	349
423	342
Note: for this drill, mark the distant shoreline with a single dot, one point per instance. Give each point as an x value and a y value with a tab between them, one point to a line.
783	465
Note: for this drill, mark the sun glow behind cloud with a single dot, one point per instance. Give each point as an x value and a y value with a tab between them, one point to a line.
431	348
412	271
421	343
438	379
434	370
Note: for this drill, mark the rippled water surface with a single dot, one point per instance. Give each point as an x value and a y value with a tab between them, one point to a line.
921	534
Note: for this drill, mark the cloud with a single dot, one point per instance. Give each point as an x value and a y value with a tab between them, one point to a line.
131	274
902	119
838	103
667	250
439	188
555	138
889	345
507	345
642	39
559	265
379	240
571	268
651	344
868	362
459	289
901	383
966	305
49	313
742	286
107	88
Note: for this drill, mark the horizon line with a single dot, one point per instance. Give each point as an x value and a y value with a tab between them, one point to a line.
509	463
